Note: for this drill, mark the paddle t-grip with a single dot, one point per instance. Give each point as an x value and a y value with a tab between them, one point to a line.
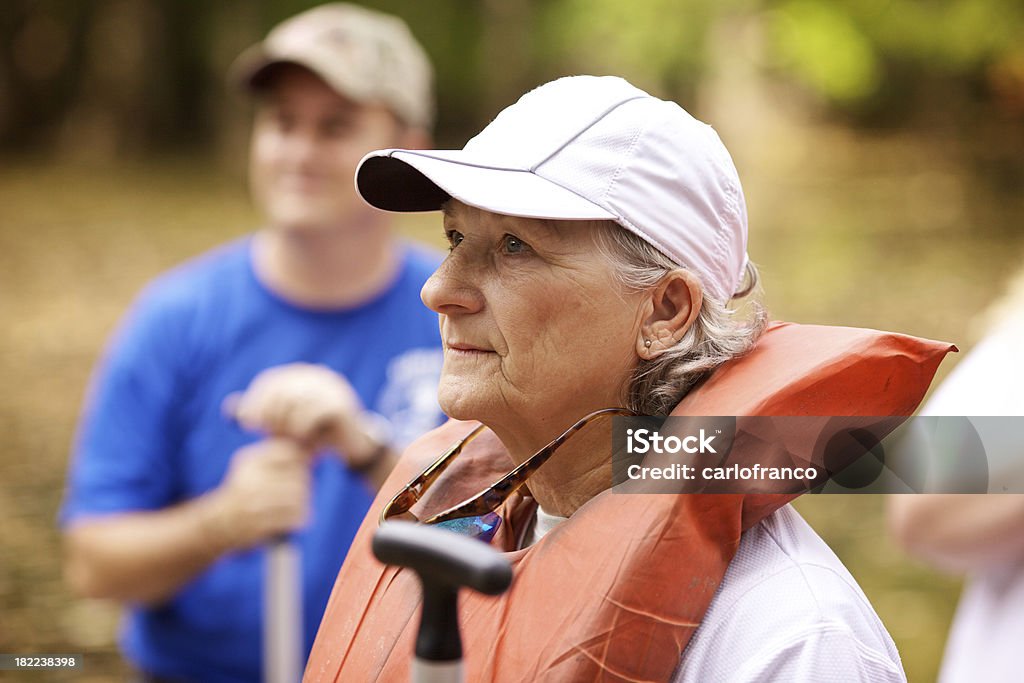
445	562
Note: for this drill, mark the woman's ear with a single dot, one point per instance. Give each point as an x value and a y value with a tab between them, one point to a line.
672	307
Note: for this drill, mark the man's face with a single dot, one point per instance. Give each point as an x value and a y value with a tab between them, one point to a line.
306	142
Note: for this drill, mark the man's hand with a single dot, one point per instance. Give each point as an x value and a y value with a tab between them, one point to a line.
308	403
311	404
266	493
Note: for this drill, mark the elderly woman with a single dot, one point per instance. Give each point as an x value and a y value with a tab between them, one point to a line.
597	236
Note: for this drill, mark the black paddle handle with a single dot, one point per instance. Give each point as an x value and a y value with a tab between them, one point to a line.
445	562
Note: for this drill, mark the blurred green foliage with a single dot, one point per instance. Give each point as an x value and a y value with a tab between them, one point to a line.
825	49
154	69
849	52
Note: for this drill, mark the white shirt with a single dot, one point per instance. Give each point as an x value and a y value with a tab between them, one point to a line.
787	610
988	631
539	528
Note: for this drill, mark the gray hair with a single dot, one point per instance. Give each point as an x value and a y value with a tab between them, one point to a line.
717	335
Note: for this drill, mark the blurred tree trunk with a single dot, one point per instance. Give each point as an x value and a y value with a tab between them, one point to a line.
506	51
236	24
42	52
176	87
107	117
107	78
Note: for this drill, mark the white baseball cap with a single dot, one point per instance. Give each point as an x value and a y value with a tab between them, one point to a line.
584	148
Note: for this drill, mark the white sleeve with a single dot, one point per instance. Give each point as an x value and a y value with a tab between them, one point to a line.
824	652
985	382
787	611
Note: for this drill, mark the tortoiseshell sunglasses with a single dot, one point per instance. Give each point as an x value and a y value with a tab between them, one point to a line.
476	516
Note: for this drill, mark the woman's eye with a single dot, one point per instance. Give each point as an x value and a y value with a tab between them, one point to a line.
514	245
454	238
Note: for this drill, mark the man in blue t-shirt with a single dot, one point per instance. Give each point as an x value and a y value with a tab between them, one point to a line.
262	389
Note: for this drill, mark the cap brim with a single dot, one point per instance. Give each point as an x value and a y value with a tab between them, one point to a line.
252	69
404	180
248	68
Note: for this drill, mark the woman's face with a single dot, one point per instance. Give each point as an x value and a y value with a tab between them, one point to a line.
537	331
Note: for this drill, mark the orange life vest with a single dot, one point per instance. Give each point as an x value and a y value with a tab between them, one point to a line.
615	592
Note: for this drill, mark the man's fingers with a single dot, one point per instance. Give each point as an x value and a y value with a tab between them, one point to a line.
313	424
230	405
285	452
268	490
276	453
308	403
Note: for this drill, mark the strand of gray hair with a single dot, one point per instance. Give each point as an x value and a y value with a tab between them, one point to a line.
719	334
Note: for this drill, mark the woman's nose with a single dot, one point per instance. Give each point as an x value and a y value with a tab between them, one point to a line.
449	291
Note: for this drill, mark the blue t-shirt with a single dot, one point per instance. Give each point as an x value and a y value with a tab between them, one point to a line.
153	435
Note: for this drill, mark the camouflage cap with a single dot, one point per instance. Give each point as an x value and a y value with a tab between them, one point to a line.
363	54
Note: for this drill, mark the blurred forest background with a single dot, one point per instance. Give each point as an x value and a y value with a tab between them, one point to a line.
881	143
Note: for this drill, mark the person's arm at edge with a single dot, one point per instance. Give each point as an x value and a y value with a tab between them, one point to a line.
959	532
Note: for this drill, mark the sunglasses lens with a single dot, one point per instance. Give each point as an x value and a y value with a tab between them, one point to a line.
482	527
